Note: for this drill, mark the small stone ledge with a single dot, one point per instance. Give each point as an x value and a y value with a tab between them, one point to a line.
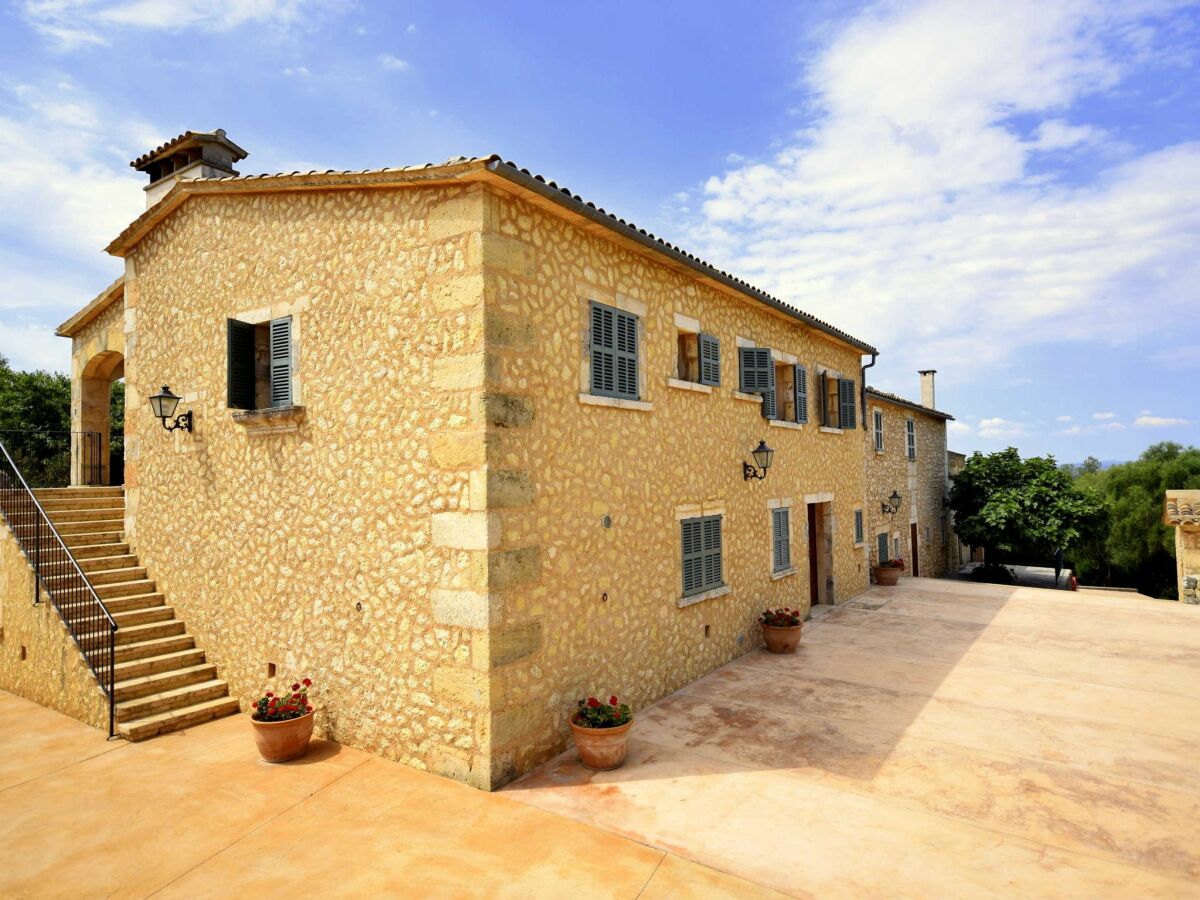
277	420
689	386
684	602
750	398
783	423
616	402
784	573
825	429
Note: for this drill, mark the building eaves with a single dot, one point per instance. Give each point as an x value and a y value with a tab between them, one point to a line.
94	308
218	135
900	401
1182	508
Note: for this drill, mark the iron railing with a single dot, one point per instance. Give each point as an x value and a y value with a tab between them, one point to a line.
46	457
57	572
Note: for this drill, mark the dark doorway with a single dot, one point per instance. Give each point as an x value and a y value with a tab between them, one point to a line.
912	540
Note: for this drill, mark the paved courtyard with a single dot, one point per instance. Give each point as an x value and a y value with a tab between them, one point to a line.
938	739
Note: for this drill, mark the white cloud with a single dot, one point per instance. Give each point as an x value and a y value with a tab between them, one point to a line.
1112	426
998	428
1063	418
296	71
1104	415
956	427
72	24
913	188
1158	422
412	28
393	63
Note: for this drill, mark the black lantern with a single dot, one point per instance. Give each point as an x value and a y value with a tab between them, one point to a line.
762	461
892	504
163	406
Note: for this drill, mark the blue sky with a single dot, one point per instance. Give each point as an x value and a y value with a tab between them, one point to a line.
1008	192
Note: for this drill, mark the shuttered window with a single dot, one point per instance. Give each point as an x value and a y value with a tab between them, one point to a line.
281	362
911	435
756	370
846	413
878	431
858	526
882	548
800	382
701	552
710	360
781	544
240	382
614	352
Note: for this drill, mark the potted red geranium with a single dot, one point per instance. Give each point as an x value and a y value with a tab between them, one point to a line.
601	732
781	629
887	573
283	724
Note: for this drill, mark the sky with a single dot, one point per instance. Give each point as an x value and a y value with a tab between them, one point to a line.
1007	192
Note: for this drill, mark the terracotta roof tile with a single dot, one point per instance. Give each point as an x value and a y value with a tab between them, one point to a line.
896	398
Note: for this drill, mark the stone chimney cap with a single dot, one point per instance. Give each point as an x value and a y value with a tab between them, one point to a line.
187	141
926	371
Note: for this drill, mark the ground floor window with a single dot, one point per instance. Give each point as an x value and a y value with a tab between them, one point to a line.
882	548
781	540
701	552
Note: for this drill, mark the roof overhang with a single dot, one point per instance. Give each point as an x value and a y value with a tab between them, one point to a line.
93	310
491	170
895	400
1182	508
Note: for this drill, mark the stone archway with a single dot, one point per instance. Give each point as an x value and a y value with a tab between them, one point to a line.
90	457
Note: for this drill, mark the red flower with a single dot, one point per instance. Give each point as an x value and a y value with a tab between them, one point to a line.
269	694
308	682
612	701
592	701
296	686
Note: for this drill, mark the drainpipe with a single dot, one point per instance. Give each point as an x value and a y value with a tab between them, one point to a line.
863	388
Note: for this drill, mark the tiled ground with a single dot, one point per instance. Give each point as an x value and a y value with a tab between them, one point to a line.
937	739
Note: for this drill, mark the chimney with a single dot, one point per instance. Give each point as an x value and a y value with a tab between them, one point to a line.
193	154
927	398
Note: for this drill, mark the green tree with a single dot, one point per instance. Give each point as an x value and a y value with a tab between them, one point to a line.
35	418
1022	510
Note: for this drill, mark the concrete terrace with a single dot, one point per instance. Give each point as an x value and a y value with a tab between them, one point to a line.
940	738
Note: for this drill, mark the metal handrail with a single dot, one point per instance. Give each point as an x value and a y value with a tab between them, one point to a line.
78	604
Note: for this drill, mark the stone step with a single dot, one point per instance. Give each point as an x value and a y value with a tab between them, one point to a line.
91	539
98	564
135	634
130	575
73	528
163	662
124	588
164	681
73	516
152	648
176	698
130	618
53	506
97	552
70	493
128	604
173	720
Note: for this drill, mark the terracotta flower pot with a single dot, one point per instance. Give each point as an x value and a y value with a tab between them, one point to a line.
886	575
601	748
782	638
281	741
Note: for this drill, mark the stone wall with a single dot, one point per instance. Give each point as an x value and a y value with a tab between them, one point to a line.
316	540
921	484
38	658
585	573
97	359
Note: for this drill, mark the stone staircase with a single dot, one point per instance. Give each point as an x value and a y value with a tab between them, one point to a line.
163	683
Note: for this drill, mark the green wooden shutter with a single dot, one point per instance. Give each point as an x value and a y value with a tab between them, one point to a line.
710	360
757	370
882	548
846	403
614	352
781	542
627	356
800	379
240	381
712	552
911	437
281	362
879	431
769	407
692	553
823	381
858	526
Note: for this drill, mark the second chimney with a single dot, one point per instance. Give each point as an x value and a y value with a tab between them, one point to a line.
927	397
193	154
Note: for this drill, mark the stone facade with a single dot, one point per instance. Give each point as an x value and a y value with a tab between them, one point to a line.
1181	509
922	484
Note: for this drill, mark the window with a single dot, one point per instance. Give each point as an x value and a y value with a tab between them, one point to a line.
701	540
800	382
756	375
699	358
881	548
896	547
614	346
781	541
879	431
858	527
910	431
838	403
260	364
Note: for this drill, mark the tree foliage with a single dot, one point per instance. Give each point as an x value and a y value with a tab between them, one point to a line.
1022	510
34	405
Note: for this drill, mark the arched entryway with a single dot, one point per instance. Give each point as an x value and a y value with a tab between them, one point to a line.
93	460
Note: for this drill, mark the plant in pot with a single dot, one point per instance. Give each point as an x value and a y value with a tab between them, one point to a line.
283	724
887	573
601	732
781	629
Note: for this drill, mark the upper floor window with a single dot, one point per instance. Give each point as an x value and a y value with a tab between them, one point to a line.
784	386
260	364
614	349
910	433
699	358
837	401
701	552
878	430
858	527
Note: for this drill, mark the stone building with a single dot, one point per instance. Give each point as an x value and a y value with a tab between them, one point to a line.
462	448
907	481
1181	509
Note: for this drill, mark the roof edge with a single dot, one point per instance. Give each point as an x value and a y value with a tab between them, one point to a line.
911	404
92	309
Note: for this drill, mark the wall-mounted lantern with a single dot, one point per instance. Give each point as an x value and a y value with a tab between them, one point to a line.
163	406
762	461
891	505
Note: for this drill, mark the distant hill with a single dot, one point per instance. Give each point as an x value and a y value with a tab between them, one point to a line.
1104	463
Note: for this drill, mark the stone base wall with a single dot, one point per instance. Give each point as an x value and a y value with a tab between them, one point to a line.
1187	556
38	659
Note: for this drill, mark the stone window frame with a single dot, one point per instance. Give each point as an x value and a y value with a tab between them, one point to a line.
697	511
585	295
859	514
910	438
878	429
833	376
689	325
279	419
773	504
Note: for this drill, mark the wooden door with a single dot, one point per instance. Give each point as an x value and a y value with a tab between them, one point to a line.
814	593
912	541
